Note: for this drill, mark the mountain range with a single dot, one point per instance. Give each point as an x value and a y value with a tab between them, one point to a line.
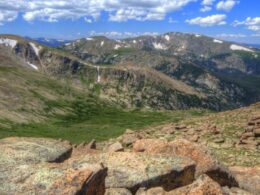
165	72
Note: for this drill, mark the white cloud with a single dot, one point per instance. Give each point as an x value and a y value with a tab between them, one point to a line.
212	20
7	16
206	9
118	10
171	20
207	2
206	5
88	20
226	5
250	23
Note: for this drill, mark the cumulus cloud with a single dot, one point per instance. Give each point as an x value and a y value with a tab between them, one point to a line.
206	9
206	5
207	2
226	5
53	11
213	20
250	23
7	16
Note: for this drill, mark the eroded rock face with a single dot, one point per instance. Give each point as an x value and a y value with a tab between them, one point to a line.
133	170
80	181
248	178
27	167
206	163
203	185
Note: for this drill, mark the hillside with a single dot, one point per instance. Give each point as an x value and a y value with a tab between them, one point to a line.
50	86
128	84
225	71
47	92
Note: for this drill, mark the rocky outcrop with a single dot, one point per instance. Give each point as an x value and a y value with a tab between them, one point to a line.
33	166
115	147
133	170
248	178
79	181
155	166
34	150
203	185
206	163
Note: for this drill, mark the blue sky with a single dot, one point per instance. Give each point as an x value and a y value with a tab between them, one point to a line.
236	20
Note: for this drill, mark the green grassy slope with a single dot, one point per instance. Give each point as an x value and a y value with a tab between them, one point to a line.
33	104
88	122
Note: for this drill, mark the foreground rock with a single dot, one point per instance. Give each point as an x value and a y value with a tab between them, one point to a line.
202	186
248	178
116	147
206	163
26	168
133	170
34	150
46	166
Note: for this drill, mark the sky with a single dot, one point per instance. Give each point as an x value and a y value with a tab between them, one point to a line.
234	20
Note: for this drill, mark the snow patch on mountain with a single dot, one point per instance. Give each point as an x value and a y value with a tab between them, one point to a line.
8	42
32	65
241	48
167	37
217	41
197	35
159	46
89	39
35	48
102	43
117	46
